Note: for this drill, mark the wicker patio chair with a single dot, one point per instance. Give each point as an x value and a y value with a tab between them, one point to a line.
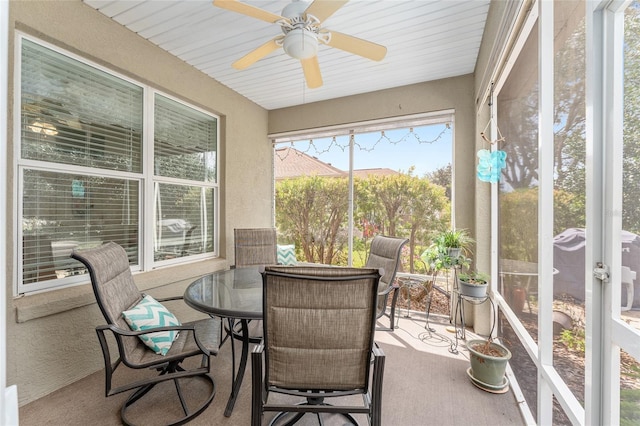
385	253
319	325
116	292
255	246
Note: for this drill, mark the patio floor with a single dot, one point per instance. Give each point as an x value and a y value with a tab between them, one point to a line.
423	384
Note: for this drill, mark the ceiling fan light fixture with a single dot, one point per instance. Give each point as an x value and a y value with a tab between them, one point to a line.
300	44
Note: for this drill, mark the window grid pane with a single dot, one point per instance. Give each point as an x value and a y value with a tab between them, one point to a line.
185	142
184	221
73	113
64	211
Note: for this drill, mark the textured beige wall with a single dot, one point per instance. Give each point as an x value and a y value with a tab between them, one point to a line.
483	78
452	93
46	351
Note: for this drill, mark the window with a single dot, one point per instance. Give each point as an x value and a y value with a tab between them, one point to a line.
401	186
82	176
185	176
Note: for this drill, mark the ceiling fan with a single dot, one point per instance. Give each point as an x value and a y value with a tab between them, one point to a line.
301	24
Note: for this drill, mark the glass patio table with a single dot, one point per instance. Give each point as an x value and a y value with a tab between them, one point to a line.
235	294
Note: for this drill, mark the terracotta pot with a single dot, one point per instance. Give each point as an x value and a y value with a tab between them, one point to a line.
518	298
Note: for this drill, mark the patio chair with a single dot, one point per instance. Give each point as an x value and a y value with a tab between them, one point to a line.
116	292
627	278
255	246
385	253
319	325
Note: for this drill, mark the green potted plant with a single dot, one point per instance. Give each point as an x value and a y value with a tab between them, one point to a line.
448	250
456	241
488	361
473	284
438	258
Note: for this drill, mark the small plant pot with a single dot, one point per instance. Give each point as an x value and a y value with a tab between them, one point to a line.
488	361
454	252
477	290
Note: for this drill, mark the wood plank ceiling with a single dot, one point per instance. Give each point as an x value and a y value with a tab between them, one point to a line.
425	39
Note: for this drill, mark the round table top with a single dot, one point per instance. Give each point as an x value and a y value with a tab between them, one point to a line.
233	293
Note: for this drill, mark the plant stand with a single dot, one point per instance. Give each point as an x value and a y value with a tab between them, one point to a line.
460	298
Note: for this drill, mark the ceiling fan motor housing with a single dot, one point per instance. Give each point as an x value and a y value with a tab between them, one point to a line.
300	43
295	9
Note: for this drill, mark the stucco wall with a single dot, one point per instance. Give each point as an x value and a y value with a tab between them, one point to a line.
452	93
483	78
55	342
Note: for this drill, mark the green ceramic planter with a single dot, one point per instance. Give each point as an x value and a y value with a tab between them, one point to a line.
488	369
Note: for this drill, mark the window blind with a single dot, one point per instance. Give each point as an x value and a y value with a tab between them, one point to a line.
73	113
65	211
185	141
77	115
81	173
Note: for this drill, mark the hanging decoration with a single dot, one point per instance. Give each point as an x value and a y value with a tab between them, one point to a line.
491	162
343	144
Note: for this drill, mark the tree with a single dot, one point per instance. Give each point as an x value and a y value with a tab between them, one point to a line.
427	212
631	129
312	212
402	205
442	177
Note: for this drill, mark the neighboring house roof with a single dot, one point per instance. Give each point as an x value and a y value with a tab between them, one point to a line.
363	173
290	163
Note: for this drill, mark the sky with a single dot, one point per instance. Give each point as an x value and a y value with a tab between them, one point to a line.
427	148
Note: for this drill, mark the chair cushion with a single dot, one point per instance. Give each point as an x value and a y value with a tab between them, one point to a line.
287	254
149	313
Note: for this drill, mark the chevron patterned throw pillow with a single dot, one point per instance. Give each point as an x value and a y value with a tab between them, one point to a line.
149	313
287	254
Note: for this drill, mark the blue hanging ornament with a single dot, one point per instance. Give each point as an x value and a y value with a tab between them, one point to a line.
490	165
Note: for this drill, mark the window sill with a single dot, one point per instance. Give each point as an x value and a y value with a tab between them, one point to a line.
53	302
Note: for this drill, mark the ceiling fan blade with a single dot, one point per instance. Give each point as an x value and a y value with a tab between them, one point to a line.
246	9
357	46
257	54
311	69
322	9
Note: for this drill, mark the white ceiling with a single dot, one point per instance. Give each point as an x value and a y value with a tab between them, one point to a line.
425	39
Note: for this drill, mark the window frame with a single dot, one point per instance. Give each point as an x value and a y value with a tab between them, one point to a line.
146	178
352	130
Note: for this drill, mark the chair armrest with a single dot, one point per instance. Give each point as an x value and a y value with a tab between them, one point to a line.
388	290
167	299
123	332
